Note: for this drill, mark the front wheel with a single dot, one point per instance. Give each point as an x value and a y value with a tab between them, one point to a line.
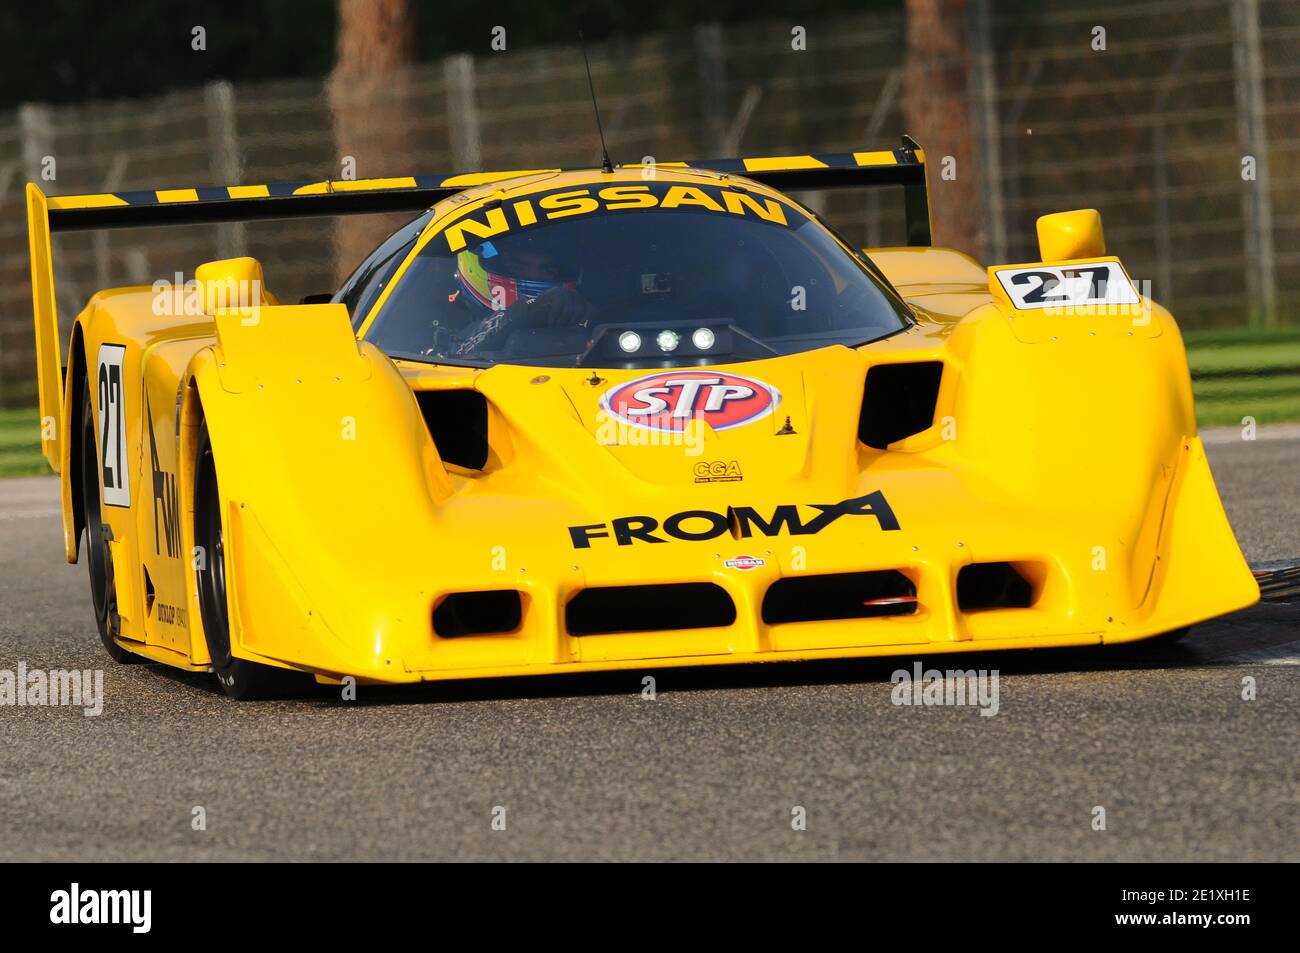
239	678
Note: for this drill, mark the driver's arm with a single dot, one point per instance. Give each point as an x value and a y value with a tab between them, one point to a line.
554	308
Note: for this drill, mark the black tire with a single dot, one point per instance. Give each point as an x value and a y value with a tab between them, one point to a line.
1155	645
103	586
1167	638
239	678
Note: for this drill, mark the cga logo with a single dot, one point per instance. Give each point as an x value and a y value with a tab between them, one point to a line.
670	400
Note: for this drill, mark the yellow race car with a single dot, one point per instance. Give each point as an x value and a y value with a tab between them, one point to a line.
570	420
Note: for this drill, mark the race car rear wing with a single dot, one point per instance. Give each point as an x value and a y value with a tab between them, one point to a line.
903	166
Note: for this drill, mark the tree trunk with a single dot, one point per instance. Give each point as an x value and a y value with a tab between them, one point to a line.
936	112
367	94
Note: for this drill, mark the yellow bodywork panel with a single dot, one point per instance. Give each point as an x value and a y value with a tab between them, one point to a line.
1061	443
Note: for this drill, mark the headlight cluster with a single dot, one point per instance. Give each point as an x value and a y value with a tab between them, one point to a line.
667	340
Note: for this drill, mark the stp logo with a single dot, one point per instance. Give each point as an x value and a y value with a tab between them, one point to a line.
669	400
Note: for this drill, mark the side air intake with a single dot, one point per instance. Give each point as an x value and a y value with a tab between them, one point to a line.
898	401
458	422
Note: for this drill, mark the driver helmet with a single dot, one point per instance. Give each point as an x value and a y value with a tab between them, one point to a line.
495	278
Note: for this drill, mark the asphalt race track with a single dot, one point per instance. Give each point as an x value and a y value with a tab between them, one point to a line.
711	769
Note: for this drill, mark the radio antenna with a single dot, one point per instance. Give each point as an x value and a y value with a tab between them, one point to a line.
605	165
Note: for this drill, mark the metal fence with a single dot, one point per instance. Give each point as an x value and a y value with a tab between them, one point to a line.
1178	120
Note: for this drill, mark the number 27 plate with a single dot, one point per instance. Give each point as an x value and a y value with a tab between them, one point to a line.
1048	286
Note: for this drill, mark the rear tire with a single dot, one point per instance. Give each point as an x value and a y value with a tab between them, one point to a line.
239	678
99	559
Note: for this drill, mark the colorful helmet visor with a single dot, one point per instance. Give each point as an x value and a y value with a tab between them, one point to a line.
492	289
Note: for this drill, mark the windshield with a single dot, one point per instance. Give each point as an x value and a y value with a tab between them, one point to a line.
632	275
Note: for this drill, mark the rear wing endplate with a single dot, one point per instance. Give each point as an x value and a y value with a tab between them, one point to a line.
49	364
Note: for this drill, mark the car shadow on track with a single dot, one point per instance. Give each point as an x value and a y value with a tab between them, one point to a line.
1217	642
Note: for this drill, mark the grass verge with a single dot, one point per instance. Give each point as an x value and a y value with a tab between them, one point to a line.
20	443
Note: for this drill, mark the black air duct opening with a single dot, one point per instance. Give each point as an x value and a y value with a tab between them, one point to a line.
992	586
687	605
494	612
458	423
845	595
898	401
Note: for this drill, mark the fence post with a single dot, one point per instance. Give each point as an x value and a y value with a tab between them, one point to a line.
1160	148
36	132
1252	135
103	251
711	71
224	159
983	84
885	101
1022	246
462	112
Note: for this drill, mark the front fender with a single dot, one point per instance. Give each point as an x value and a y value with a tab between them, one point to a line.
322	458
1089	416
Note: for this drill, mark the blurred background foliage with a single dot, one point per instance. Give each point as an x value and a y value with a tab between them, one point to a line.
69	50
